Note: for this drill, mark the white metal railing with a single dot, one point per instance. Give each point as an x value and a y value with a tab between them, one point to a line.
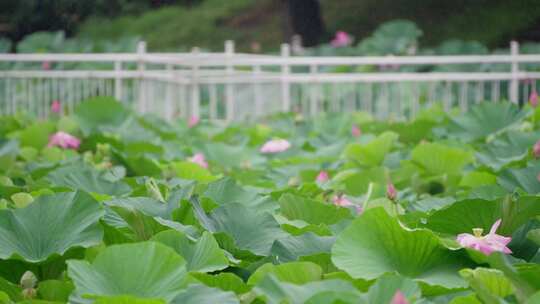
233	86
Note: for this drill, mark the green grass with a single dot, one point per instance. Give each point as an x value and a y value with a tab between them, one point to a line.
173	28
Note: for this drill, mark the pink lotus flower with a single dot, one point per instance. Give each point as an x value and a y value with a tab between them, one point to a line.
399	298
341	200
533	99
275	146
322	177
198	158
64	141
391	192
46	65
488	243
56	107
341	39
355	131
193	121
536	149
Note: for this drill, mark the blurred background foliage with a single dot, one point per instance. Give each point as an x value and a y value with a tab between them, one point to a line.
94	25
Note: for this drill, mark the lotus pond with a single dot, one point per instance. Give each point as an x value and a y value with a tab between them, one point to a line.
106	206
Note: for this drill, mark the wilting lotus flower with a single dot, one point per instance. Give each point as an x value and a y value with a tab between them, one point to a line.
275	146
399	298
341	200
341	39
488	243
56	107
193	121
64	141
46	65
391	192
533	99
355	131
536	149
322	177
198	158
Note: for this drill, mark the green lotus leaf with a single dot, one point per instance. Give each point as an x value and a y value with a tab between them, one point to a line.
224	280
84	178
437	159
485	119
231	155
52	224
200	294
295	207
144	270
387	285
8	153
291	247
276	292
91	116
13	291
463	216
525	178
191	171
293	272
476	179
248	228
535	298
201	256
127	300
496	156
489	284
226	190
376	244
54	290
36	135
372	153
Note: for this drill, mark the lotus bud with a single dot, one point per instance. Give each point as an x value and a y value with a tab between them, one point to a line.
399	298
355	131
46	65
28	280
29	293
533	99
391	192
193	121
536	149
56	107
322	177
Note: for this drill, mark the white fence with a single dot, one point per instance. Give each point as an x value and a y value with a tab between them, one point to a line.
234	86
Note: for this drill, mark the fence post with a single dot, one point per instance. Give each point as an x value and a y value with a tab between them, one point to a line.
169	112
141	51
118	81
195	92
257	90
285	85
514	83
229	92
313	91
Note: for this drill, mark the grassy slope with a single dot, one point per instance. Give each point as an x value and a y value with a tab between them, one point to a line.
491	22
172	28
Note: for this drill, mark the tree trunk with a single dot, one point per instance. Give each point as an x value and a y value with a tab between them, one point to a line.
305	20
